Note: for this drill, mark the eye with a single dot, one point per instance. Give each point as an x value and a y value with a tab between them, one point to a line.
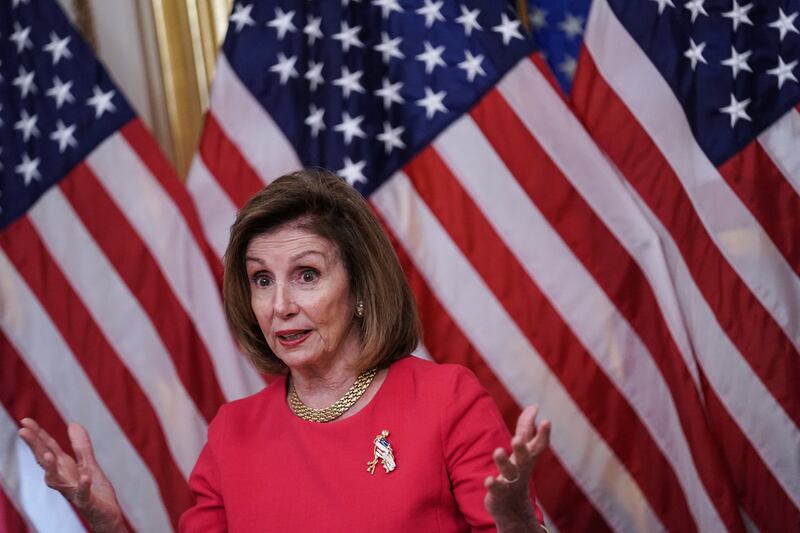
309	276
261	280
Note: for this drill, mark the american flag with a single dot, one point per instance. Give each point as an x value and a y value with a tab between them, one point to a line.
110	310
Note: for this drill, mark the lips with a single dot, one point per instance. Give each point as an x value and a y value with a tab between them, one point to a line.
292	337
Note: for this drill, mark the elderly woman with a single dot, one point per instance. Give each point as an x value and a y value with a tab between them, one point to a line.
356	434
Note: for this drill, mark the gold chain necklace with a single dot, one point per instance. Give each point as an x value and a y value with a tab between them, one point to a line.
335	410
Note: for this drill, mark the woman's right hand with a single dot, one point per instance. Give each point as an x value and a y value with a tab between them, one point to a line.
80	480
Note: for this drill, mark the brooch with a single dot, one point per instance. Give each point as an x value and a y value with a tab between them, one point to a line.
382	452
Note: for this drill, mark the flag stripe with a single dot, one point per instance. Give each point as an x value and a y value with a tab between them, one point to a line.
780	143
12	520
218	210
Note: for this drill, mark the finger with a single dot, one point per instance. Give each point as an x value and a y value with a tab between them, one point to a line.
37	445
522	456
526	423
49	441
504	465
83	491
81	444
542	439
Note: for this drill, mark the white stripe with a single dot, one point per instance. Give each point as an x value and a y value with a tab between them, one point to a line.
583	305
166	234
780	141
422	352
247	125
730	225
127	327
33	335
216	208
504	347
22	480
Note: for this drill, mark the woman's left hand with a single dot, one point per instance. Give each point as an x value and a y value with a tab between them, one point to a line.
508	498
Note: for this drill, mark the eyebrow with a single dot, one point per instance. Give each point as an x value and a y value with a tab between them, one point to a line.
295	257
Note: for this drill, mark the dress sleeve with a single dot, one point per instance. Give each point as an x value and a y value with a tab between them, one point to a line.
208	512
472	430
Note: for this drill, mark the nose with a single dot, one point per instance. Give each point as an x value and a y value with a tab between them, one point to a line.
285	305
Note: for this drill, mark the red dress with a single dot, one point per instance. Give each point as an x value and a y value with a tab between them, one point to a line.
264	469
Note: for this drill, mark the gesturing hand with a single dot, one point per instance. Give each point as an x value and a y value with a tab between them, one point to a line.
81	482
508	498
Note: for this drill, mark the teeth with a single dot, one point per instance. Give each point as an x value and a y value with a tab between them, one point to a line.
294	336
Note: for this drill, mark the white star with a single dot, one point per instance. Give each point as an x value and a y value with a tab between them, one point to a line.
312	29
348	36
352	172
738	62
391	137
241	16
58	47
314	74
662	4
389	48
572	26
101	101
285	67
387	6
472	65
314	119
696	7
568	66
29	169
25	82
282	22
64	136
538	18
783	71
349	81
469	19
432	102
350	127
15	3
739	14
736	110
508	28
61	92
695	53
27	125
390	92
431	11
21	36
432	57
784	23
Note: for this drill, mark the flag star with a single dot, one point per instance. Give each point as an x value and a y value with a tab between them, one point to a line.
348	36
285	67
282	22
314	120
391	137
508	28
472	65
538	18
389	48
663	4
568	66
64	136
387	6
350	127
695	53
784	23
21	36
61	92
431	11
346	3
696	7
58	47
101	101
352	172
432	57
572	26
241	16
312	29
736	110
432	102
469	19
27	125
349	81
15	3
390	92
739	14
783	71
25	82
738	62
29	169
314	74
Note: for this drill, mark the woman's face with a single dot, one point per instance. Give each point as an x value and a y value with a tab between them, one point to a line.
300	294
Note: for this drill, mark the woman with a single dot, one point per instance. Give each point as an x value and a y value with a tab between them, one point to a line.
356	434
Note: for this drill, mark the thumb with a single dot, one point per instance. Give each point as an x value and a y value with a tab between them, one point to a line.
81	445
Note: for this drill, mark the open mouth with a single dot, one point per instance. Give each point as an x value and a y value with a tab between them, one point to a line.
293	337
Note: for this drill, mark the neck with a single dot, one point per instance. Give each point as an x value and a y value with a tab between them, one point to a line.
321	389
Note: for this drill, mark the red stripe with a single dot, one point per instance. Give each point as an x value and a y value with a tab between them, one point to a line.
565	502
617	274
542	325
771	199
11	520
136	266
118	388
223	159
